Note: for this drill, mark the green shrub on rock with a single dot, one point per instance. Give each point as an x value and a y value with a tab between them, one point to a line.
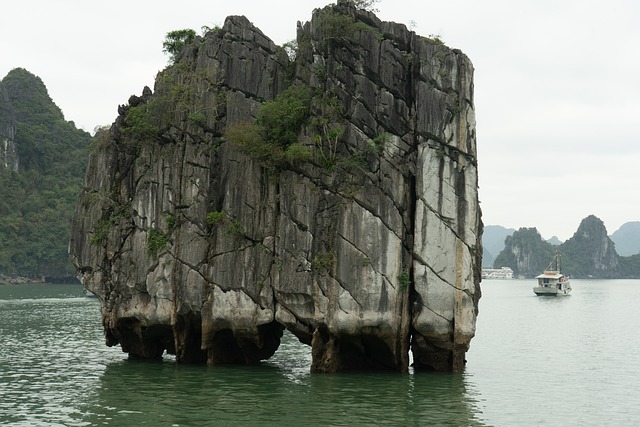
273	138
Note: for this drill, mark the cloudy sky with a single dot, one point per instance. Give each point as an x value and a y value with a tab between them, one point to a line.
557	84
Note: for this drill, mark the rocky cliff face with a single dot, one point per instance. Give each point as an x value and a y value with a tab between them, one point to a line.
8	154
366	247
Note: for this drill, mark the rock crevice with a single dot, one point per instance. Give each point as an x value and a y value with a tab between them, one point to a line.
8	151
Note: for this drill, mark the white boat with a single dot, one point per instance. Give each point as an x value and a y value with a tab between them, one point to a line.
497	273
552	282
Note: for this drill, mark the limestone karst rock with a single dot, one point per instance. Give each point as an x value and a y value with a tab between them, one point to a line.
366	248
590	253
8	152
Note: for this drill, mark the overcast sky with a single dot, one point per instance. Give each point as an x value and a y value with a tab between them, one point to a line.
557	84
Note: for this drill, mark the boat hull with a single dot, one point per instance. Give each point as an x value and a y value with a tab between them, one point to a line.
550	291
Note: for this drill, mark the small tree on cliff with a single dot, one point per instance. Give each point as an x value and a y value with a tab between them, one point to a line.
174	41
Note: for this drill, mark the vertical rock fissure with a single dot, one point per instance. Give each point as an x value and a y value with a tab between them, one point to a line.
179	325
410	296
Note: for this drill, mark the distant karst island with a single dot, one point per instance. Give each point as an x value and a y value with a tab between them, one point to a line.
589	254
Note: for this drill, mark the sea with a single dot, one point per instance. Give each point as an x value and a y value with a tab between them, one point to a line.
561	361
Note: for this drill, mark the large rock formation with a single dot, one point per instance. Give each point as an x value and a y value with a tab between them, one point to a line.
365	244
8	154
590	253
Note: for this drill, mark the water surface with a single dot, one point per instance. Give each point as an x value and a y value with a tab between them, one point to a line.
534	360
562	360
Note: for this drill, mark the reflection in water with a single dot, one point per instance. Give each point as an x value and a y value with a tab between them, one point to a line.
281	391
56	370
581	350
164	392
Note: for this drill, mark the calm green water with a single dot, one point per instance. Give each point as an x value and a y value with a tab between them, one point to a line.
534	361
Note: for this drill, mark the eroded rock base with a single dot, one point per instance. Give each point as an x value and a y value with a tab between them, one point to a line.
330	353
352	353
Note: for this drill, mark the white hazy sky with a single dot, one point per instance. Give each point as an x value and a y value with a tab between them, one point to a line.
557	84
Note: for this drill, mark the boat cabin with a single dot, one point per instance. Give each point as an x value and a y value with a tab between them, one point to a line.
552	283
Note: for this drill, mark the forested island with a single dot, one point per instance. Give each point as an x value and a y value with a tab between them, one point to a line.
43	158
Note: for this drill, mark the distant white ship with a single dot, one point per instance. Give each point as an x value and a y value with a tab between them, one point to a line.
497	273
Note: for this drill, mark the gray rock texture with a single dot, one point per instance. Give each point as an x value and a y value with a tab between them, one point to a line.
367	250
8	153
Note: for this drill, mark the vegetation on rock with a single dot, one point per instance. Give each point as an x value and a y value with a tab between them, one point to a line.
283	118
138	123
37	201
338	29
630	266
273	138
525	252
156	240
176	40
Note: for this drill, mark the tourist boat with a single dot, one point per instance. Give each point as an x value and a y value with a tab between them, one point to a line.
552	282
497	273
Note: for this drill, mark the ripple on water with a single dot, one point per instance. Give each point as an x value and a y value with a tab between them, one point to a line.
56	370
